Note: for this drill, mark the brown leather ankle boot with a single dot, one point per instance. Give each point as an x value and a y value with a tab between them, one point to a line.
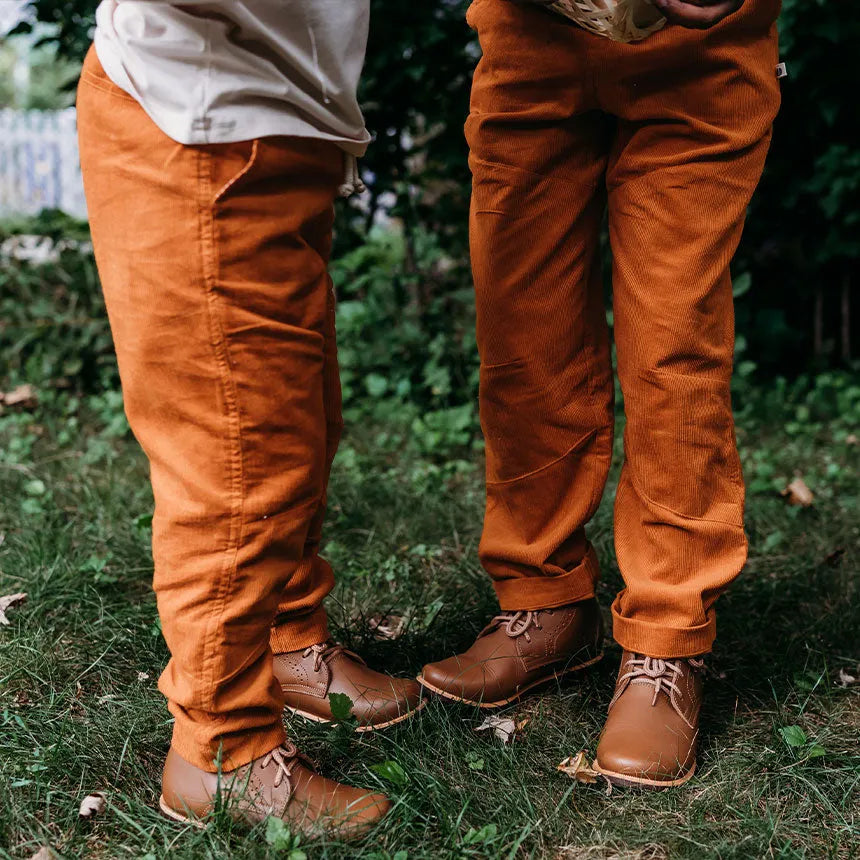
650	734
310	675
279	783
517	651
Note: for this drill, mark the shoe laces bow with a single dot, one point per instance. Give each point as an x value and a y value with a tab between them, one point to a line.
663	675
285	758
325	652
517	623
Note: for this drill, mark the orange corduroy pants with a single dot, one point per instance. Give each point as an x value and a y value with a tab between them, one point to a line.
669	135
213	260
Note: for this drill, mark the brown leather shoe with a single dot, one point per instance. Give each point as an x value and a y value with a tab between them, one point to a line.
650	734
517	651
281	784
309	676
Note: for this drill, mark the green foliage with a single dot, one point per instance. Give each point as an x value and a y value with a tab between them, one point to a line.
50	82
406	339
482	836
803	236
392	772
341	707
803	231
282	841
53	326
72	23
75	715
797	740
415	97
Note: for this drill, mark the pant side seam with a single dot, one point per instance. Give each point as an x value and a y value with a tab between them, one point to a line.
217	341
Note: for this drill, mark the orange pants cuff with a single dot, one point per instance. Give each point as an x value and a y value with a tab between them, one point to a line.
236	749
300	632
659	640
528	593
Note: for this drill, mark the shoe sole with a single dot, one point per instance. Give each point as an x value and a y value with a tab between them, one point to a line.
556	676
315	718
173	815
624	780
179	818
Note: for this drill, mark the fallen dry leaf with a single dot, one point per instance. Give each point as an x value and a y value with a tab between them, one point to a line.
504	728
846	680
386	626
8	601
578	768
93	804
851	439
44	853
797	493
23	395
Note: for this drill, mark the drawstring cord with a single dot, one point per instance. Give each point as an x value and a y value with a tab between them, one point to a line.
352	183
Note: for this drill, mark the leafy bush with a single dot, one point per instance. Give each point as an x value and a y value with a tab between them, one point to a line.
406	338
802	242
53	326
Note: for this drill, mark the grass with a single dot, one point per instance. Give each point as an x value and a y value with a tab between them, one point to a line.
80	712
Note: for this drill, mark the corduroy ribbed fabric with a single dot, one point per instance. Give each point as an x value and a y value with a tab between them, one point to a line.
213	260
670	135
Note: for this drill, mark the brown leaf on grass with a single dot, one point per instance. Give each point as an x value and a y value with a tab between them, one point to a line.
846	680
504	728
7	602
386	626
577	767
797	493
23	396
44	853
92	805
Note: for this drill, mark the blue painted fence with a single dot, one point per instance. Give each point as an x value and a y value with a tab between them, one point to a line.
39	166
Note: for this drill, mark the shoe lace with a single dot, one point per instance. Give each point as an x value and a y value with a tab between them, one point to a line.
517	623
325	652
662	674
285	758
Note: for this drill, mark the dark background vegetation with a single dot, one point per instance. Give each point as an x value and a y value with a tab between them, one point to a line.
796	272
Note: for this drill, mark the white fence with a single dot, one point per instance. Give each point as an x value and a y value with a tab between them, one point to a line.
39	166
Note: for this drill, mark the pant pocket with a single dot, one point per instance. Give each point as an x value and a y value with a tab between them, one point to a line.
233	165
